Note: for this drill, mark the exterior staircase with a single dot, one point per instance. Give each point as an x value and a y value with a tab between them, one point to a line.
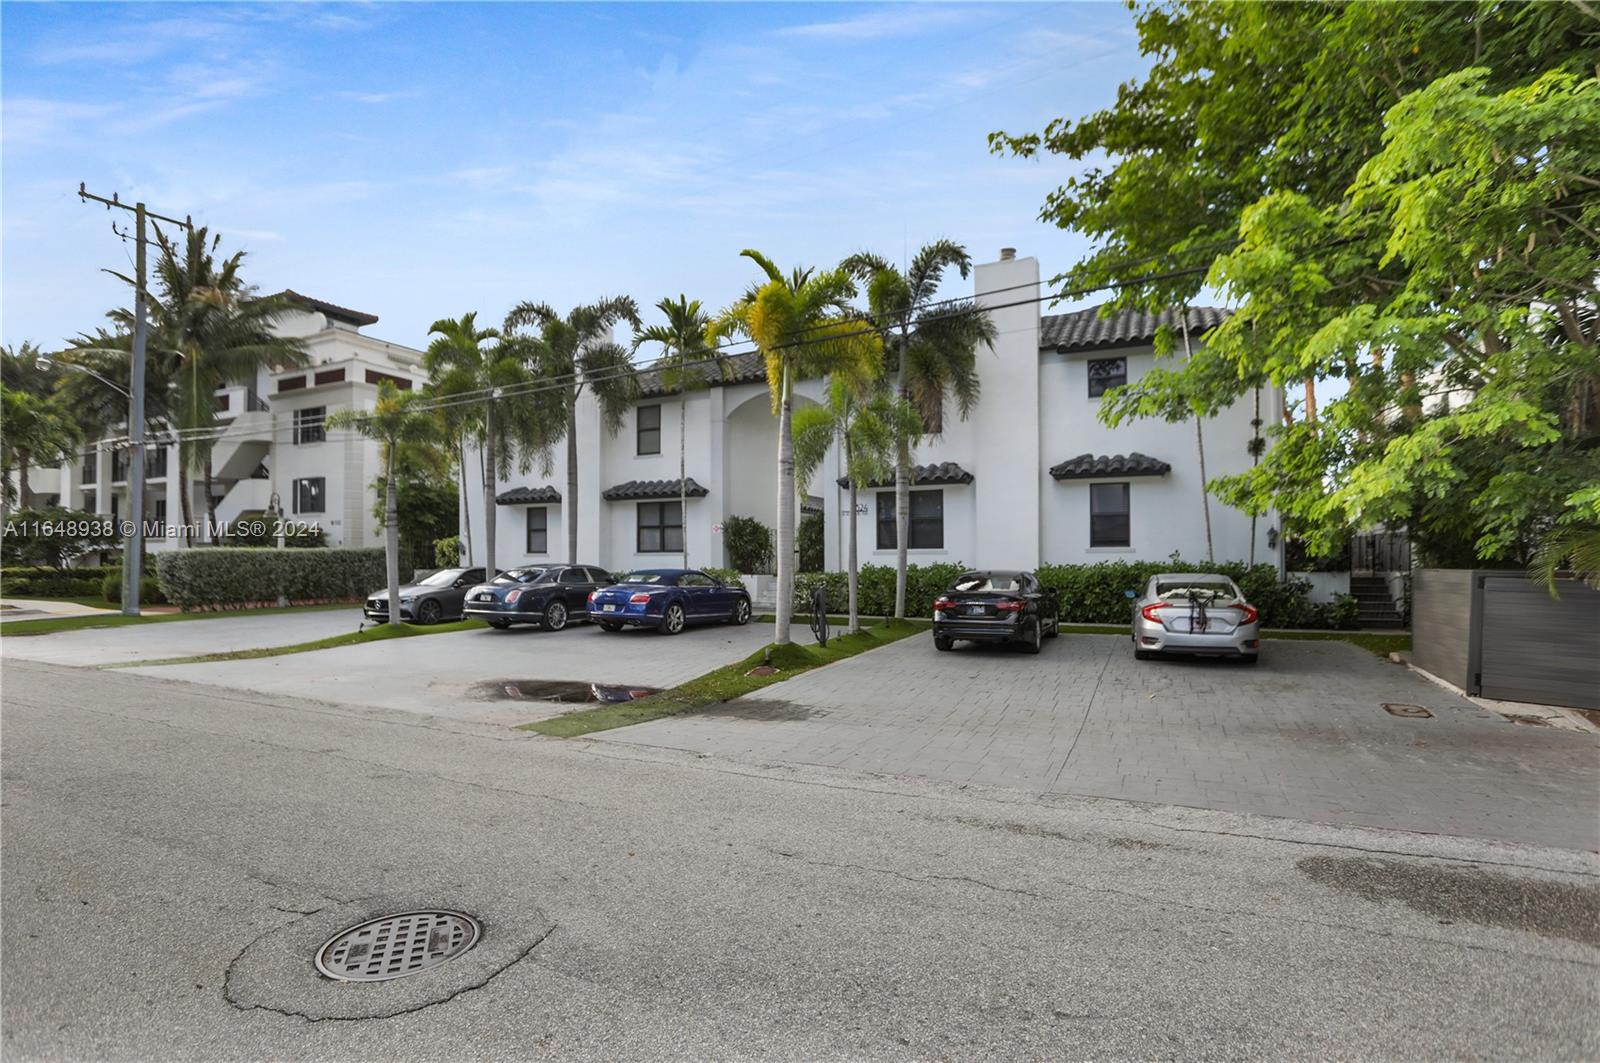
1377	608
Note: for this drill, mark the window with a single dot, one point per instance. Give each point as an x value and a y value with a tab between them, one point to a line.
600	576
87	471
1108	515
538	530
1105	374
155	463
696	579
310	425
926	531
649	429
160	530
660	527
573	575
310	494
119	466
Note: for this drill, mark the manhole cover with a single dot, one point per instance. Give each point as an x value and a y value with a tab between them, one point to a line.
394	946
1407	710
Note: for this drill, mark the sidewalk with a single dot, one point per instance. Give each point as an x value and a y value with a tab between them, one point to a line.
45	609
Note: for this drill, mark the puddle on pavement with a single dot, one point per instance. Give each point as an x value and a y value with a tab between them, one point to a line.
1452	894
763	710
562	692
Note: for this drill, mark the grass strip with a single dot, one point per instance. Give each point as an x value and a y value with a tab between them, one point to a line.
79	623
726	683
380	633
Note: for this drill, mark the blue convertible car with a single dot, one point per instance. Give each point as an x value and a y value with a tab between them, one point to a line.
668	599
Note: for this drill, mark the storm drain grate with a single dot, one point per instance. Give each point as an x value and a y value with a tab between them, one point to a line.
393	946
1416	711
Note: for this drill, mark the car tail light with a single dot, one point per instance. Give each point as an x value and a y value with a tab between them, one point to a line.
640	598
943	603
1149	612
1249	612
593	595
511	599
1010	605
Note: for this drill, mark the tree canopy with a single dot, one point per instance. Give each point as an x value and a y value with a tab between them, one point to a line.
1399	196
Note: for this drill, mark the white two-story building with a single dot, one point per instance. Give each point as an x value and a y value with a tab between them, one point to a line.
1031	477
273	440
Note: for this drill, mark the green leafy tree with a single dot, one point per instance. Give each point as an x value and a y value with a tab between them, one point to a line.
398	425
805	327
486	379
575	352
682	366
33	431
932	348
866	425
1440	261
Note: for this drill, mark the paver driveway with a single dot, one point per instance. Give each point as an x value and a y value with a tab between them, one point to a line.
1302	734
462	673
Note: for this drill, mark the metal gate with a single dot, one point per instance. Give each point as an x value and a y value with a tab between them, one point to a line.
1528	646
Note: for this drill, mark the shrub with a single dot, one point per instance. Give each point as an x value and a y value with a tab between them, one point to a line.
876	588
259	531
808	538
447	551
44	582
149	587
729	576
55	536
749	544
233	576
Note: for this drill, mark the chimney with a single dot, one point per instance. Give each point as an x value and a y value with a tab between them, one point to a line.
1007	254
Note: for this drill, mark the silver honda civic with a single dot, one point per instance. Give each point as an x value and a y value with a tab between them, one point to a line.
1197	613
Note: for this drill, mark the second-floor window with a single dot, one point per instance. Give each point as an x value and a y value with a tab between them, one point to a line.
538	530
119	466
311	495
309	424
88	471
649	429
155	462
1105	374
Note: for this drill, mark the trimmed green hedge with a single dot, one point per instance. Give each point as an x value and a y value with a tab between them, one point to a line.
149	587
227	576
45	582
1090	594
726	575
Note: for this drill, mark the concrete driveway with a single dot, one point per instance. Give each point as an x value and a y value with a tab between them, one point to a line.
180	638
463	674
1303	734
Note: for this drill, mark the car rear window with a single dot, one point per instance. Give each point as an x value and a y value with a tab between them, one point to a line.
1210	586
979	582
521	575
645	577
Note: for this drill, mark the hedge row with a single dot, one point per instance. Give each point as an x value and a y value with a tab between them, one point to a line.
228	576
149	587
1090	594
45	582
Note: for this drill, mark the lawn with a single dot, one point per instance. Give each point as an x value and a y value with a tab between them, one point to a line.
727	683
79	623
379	633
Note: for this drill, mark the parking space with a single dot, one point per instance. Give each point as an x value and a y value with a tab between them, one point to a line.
1302	734
464	674
181	638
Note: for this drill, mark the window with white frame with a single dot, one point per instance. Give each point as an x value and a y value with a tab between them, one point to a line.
660	527
538	518
926	529
310	425
1108	515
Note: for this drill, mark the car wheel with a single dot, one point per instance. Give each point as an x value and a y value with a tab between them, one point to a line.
428	612
741	612
610	625
1032	640
672	620
942	644
1055	627
555	616
500	625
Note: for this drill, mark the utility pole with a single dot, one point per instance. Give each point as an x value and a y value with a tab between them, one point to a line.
133	552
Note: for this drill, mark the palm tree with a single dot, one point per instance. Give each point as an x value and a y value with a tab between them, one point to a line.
934	349
33	431
865	427
683	348
472	367
804	326
574	352
396	424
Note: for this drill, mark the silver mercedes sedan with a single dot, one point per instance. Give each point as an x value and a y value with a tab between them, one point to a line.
1197	613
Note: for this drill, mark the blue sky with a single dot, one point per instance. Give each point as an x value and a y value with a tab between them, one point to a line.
419	161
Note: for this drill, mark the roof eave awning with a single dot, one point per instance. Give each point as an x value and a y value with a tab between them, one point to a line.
1109	467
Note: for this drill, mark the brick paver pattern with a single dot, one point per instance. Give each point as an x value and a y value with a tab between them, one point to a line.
1302	734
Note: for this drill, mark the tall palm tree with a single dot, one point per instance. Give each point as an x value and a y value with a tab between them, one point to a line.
396	424
681	367
805	327
575	352
487	378
33	430
864	425
933	348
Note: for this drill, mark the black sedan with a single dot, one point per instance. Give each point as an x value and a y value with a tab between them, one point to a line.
996	606
429	600
551	596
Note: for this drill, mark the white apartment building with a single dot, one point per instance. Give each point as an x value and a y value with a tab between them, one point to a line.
1031	477
273	440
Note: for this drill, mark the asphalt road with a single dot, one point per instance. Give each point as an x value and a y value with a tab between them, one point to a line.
172	854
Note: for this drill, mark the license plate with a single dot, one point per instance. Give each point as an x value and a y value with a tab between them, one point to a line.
484	598
609	608
976	610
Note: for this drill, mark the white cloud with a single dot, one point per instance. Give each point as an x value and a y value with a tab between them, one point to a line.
36	120
378	97
891	22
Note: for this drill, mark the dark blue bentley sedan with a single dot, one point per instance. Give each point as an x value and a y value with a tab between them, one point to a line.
668	599
547	595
